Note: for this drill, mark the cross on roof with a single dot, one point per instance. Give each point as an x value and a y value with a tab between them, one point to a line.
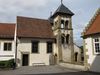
61	1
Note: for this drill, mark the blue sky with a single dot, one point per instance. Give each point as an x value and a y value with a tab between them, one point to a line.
83	10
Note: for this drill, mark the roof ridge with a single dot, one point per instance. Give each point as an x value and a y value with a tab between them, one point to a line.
7	23
32	18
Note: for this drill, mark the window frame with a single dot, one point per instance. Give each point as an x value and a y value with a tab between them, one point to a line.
62	39
67	39
8	46
66	24
49	47
95	42
36	46
62	24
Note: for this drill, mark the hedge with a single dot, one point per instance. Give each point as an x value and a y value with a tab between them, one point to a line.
7	64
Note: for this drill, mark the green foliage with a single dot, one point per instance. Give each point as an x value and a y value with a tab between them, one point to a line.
7	64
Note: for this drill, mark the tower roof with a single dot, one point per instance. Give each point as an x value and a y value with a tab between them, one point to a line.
62	9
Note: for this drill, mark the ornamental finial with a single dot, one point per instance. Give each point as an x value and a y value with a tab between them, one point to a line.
61	1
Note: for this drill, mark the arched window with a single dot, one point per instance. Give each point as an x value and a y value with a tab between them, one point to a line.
62	24
67	39
66	24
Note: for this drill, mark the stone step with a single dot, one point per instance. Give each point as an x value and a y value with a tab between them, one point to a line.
73	66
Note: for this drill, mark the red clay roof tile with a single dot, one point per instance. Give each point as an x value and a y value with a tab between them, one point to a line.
34	28
7	30
94	26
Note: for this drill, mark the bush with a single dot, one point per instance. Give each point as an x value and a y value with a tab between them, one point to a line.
7	64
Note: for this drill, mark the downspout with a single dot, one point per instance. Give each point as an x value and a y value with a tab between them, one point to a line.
15	40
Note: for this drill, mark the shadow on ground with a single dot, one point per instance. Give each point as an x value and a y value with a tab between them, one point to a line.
69	73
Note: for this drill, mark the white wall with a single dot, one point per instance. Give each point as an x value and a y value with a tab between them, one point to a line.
94	59
24	46
6	55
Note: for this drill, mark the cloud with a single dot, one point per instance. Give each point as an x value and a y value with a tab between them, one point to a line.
83	10
23	3
12	8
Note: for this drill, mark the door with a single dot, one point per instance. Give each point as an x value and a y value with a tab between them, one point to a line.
25	60
76	55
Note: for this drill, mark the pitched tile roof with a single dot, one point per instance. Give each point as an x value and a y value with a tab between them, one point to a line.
33	28
7	30
94	25
62	9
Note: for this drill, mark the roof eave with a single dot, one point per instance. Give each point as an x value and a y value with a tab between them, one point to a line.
60	13
88	35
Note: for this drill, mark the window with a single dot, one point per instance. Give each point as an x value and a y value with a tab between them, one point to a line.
56	24
62	23
67	39
35	47
55	40
97	45
62	39
66	24
76	56
7	46
49	47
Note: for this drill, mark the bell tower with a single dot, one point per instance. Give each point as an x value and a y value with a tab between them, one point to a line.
63	31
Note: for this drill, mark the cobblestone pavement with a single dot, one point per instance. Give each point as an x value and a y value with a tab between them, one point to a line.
45	70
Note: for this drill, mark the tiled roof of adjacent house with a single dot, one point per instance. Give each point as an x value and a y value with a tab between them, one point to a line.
7	30
62	9
34	28
94	25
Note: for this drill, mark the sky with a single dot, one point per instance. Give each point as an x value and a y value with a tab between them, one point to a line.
83	10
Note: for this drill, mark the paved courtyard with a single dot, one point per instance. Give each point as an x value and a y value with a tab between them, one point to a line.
45	70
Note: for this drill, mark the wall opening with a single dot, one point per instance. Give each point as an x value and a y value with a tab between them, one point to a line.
62	24
76	56
67	39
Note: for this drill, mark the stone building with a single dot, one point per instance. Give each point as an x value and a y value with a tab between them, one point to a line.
7	44
45	42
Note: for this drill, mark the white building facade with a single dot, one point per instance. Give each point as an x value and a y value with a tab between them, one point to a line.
91	37
7	44
29	57
7	49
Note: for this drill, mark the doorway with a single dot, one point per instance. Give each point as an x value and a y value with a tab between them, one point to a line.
76	57
25	59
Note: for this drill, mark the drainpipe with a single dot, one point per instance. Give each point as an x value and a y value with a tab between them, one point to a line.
15	40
